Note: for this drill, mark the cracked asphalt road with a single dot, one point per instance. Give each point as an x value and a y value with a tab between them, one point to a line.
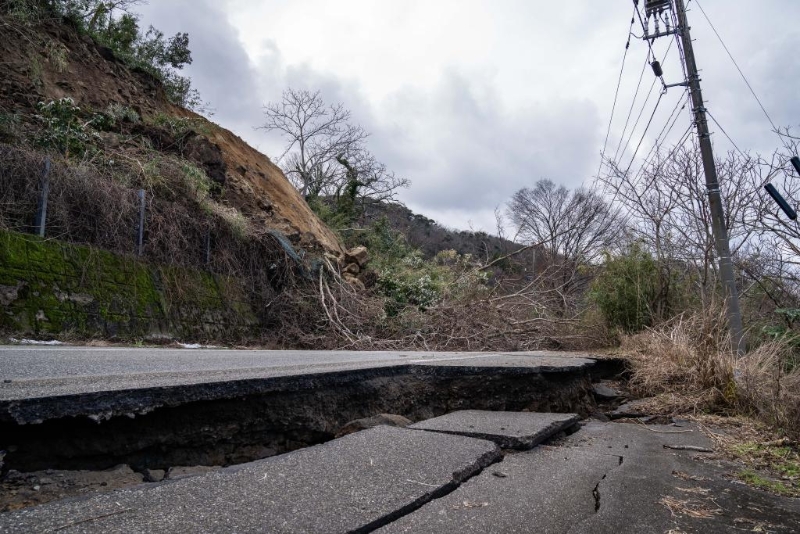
607	478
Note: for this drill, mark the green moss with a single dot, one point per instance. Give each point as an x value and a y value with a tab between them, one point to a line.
773	486
13	251
90	292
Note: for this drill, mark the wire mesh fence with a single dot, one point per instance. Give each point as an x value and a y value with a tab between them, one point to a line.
87	206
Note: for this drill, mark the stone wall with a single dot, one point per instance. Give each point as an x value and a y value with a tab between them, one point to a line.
52	288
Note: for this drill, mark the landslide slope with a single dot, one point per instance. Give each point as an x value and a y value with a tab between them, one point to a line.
52	60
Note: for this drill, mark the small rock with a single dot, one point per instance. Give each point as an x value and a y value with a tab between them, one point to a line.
352	268
357	255
36	488
635	408
603	392
154	475
355	282
500	474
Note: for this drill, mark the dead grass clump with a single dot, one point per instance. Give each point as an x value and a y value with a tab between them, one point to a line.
768	388
691	508
689	366
689	355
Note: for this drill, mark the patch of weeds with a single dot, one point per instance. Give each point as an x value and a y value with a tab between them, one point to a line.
9	125
113	115
778	458
152	177
36	72
57	56
180	126
238	223
777	487
62	127
198	181
122	113
23	12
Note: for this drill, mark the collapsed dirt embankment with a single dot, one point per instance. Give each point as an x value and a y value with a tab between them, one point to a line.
51	61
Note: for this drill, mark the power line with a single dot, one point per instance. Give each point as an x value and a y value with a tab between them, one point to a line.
633	104
644	133
752	91
726	135
641	111
616	93
665	131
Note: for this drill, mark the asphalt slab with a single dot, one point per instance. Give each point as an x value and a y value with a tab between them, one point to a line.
510	430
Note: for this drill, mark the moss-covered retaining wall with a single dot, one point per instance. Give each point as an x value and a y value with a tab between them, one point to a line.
52	288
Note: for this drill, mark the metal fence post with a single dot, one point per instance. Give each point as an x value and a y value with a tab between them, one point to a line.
140	232
41	208
208	248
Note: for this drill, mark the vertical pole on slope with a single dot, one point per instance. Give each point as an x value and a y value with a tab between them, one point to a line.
207	250
41	208
712	185
140	229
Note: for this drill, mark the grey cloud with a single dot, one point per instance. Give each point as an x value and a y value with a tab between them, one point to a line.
463	147
472	153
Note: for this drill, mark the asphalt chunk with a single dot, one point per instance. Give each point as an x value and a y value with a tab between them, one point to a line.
510	430
353	484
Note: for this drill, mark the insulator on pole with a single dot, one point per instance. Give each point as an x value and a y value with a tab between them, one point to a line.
652	7
657	70
787	209
796	163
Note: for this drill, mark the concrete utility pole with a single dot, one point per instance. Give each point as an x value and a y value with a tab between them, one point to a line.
712	184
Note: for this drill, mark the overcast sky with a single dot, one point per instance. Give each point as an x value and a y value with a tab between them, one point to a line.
474	99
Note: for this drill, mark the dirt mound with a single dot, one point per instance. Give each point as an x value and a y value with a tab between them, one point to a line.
53	61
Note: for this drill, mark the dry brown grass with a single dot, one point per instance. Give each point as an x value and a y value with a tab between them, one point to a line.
688	366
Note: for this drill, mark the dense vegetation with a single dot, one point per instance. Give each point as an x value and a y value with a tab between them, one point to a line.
111	24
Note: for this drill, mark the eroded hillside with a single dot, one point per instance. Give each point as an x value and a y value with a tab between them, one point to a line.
51	61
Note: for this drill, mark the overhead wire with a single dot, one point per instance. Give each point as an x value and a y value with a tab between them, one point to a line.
633	104
644	133
665	131
735	64
641	111
731	141
616	93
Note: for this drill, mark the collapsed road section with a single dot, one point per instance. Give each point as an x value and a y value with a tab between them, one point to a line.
152	409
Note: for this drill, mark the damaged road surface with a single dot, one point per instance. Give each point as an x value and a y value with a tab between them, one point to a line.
353	484
77	408
607	478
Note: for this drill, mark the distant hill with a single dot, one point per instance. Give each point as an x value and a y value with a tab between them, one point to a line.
431	237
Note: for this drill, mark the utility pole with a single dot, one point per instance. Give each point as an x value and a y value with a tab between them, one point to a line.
712	184
717	210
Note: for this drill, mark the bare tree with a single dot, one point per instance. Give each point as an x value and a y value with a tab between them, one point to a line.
667	210
319	136
574	225
573	228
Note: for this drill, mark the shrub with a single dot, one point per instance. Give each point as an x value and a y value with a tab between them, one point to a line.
62	128
626	288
